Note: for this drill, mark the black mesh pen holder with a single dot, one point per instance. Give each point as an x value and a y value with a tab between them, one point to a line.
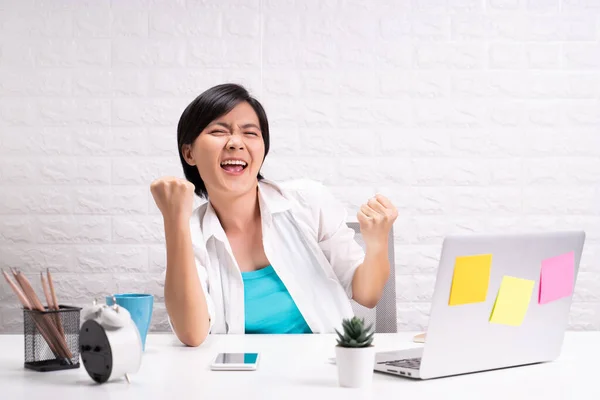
51	338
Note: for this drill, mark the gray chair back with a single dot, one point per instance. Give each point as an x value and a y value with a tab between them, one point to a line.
383	315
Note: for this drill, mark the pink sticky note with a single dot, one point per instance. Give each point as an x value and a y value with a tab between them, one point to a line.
557	277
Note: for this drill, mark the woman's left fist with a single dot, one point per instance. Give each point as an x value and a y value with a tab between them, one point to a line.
376	218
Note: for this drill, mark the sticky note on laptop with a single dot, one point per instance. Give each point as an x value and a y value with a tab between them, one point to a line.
471	279
512	301
557	277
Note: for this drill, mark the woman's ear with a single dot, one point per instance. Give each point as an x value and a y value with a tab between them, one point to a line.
186	151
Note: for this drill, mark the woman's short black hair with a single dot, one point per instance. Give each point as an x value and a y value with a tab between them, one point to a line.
208	106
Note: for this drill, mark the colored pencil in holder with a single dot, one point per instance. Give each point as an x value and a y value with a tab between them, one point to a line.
48	324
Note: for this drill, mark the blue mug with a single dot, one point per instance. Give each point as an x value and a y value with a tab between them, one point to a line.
139	306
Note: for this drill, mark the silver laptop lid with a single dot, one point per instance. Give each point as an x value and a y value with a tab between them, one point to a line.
523	329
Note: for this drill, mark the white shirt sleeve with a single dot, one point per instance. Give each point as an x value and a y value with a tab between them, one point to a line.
336	238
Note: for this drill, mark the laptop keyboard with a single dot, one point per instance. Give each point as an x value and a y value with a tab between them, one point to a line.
411	363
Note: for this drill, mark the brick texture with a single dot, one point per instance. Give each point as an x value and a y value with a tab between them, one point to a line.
471	115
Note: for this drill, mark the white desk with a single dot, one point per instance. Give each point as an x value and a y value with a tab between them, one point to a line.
297	367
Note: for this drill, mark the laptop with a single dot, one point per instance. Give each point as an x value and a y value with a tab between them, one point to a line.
519	318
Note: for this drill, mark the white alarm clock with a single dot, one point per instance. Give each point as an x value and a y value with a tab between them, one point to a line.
110	343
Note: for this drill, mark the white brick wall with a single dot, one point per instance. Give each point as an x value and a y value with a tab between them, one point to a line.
472	115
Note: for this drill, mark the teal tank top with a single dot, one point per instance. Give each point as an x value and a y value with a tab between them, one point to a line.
269	308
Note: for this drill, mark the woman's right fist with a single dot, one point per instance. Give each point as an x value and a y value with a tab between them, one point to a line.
174	197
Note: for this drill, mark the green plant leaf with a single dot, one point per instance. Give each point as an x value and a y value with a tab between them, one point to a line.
341	337
354	333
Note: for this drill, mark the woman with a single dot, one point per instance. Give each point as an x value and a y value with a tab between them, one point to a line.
259	256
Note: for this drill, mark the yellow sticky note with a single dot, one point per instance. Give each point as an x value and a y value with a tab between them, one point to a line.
471	279
512	301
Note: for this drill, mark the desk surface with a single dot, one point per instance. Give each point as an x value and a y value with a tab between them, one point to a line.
297	367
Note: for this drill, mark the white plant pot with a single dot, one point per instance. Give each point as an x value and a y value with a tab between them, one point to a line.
355	365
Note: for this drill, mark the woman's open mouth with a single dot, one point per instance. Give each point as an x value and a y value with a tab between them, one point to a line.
234	167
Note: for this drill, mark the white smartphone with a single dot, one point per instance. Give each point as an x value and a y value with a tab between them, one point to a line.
235	362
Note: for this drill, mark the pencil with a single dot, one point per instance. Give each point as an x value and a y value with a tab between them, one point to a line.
26	304
55	303
17	291
37	305
46	292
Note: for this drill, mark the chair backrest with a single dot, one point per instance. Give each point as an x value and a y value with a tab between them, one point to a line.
383	315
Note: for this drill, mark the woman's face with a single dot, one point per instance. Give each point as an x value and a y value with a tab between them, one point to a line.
229	152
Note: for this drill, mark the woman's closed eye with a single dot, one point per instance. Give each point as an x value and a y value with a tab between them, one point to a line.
219	132
251	133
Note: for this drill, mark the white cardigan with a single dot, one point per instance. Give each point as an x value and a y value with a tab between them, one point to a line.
308	243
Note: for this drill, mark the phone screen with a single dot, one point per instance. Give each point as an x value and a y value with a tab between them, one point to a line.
237	358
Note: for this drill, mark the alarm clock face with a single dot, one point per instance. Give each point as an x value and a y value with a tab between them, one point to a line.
95	351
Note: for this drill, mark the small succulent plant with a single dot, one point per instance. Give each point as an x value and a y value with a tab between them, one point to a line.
355	333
